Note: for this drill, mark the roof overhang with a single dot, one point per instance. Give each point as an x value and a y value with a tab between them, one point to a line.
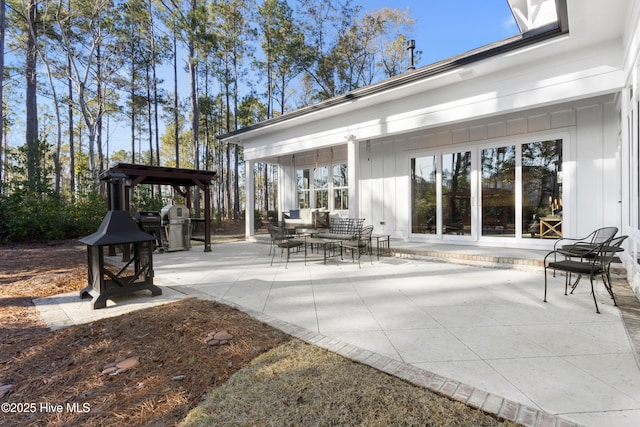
437	69
540	59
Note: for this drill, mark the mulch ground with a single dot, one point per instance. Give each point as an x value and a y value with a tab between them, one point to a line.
59	378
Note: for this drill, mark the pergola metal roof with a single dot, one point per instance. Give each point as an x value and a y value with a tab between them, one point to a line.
180	179
162	175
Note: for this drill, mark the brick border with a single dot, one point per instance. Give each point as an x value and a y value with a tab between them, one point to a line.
471	396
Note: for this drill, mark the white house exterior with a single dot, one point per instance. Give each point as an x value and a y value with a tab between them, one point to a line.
482	148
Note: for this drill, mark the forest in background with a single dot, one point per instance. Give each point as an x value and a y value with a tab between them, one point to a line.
72	71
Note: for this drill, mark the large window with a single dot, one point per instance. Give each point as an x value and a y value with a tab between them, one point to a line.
321	186
542	189
518	186
454	170
304	189
423	190
498	191
315	186
456	193
340	187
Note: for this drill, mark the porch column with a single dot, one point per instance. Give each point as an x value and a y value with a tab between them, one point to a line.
353	166
250	199
287	190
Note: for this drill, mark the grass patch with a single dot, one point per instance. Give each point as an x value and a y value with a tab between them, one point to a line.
299	384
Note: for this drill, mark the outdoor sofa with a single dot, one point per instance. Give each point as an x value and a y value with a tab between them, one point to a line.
306	218
342	229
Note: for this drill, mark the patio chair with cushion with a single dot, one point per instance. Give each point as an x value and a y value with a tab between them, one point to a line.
594	261
361	244
280	239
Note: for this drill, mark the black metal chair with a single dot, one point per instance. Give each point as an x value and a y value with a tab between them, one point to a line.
596	237
594	261
280	239
360	244
581	246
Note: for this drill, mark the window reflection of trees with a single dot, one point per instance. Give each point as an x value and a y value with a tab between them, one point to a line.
541	184
498	192
423	171
456	193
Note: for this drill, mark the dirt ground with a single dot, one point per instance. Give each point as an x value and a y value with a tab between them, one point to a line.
57	376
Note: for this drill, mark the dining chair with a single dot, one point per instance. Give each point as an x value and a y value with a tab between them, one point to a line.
594	262
360	244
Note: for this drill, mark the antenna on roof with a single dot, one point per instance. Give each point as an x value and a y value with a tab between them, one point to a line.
411	45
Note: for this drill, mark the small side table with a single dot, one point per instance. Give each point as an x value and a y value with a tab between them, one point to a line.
551	227
382	244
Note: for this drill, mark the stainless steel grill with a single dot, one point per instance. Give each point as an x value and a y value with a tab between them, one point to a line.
177	228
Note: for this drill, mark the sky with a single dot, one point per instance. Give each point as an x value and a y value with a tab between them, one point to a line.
445	28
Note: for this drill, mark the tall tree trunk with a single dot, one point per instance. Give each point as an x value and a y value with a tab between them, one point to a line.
72	150
2	149
176	116
132	89
33	158
101	162
154	84
236	149
195	121
266	188
56	106
149	113
228	148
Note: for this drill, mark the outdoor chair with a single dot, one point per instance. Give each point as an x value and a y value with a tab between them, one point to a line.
568	244
583	246
280	239
594	262
360	244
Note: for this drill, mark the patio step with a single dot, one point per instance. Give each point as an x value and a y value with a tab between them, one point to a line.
476	256
482	260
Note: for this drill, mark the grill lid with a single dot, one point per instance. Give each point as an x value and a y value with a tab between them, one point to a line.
117	227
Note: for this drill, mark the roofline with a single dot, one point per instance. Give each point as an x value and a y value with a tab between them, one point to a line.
485	52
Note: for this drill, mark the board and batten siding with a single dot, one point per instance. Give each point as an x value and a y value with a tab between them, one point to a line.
591	183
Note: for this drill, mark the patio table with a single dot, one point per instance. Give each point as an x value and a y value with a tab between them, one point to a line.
382	244
328	245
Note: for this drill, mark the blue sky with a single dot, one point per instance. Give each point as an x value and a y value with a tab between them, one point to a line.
445	28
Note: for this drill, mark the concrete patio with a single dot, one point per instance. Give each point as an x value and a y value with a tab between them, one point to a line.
479	333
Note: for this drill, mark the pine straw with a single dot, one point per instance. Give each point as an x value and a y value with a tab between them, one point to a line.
290	383
168	340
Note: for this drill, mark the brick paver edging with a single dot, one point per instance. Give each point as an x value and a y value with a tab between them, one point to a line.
487	402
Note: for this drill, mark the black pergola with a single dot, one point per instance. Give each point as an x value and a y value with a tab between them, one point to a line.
180	179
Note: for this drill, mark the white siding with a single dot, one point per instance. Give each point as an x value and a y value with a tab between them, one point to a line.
589	127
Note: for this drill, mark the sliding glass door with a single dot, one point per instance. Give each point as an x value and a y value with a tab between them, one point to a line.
456	193
441	194
498	191
542	189
424	195
518	188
